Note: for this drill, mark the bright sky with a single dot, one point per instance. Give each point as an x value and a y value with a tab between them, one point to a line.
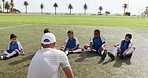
114	6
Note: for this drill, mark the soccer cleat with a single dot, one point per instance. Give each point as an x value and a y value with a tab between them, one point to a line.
111	56
104	54
66	52
4	57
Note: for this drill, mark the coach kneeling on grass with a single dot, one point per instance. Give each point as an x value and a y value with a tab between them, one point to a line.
47	61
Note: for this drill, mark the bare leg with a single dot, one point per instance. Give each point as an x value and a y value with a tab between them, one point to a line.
5	52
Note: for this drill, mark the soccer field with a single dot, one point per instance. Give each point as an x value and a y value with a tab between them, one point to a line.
85	65
88	20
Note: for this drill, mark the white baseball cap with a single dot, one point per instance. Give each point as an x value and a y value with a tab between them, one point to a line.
50	37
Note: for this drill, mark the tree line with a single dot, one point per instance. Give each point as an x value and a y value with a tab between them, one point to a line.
9	6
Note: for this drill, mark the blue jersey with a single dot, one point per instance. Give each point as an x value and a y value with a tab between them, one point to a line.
97	42
124	45
71	43
14	46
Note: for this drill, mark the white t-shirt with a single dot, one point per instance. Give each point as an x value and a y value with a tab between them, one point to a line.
77	42
102	39
46	64
130	45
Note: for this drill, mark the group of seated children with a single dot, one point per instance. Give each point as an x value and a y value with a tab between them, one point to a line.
71	45
97	44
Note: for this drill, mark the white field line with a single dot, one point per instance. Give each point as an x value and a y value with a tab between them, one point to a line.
16	26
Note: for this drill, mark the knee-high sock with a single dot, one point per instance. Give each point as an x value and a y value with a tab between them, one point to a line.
102	52
115	51
13	53
130	51
77	51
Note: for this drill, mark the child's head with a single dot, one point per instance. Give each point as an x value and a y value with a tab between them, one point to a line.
70	34
46	30
128	37
13	38
96	33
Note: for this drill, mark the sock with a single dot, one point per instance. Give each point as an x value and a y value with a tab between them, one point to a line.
9	55
114	52
102	52
66	52
88	49
77	51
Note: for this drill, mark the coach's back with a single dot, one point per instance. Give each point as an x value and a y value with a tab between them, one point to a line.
47	61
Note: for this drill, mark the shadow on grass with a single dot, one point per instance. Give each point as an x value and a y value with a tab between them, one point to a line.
22	60
85	55
108	61
119	61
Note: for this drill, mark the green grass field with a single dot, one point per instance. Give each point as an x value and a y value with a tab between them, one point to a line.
29	29
133	21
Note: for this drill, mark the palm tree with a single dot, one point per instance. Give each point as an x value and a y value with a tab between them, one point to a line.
85	8
41	6
7	6
70	7
3	4
55	6
100	9
125	6
26	4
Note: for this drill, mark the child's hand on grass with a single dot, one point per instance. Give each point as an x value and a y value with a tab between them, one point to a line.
124	54
23	54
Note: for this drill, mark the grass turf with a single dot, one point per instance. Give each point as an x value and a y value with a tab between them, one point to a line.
85	65
88	20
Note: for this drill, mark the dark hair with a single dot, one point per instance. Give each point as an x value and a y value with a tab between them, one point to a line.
13	36
97	30
46	30
128	35
70	32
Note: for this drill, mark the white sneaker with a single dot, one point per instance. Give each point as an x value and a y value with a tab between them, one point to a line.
66	52
2	57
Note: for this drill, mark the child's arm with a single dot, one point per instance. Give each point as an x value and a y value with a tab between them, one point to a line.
22	51
75	47
126	51
63	46
91	46
104	44
65	42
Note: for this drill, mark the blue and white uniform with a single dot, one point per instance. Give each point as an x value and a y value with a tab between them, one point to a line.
11	47
124	45
71	43
97	42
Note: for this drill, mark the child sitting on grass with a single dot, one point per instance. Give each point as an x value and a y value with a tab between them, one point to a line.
14	48
124	48
71	44
46	30
97	44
